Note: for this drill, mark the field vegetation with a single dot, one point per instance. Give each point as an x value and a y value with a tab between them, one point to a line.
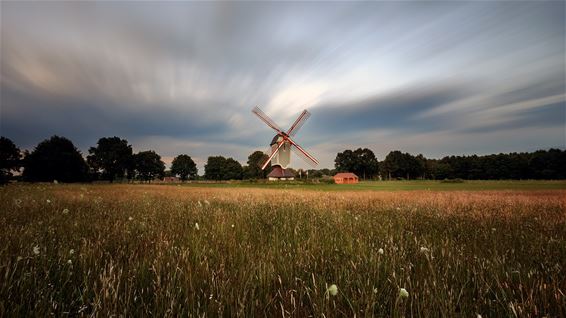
170	250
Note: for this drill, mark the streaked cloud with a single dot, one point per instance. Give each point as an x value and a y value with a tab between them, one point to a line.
181	77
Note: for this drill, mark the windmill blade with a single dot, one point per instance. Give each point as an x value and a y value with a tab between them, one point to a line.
302	156
273	154
298	123
259	113
303	153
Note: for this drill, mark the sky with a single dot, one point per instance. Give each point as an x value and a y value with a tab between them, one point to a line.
437	78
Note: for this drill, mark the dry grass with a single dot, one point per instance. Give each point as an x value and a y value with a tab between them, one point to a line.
138	252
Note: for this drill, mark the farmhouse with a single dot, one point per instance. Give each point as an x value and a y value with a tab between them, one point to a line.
345	177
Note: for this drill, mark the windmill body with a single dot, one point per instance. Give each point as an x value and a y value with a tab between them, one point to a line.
283	156
281	146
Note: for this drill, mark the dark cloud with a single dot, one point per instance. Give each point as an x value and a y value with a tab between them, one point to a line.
188	73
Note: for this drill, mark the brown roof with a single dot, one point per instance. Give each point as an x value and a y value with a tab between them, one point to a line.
279	172
345	175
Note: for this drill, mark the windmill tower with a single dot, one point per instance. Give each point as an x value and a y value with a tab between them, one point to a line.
281	146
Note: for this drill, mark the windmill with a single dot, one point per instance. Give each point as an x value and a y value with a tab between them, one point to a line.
281	146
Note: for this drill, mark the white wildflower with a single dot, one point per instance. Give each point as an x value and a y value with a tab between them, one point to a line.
36	250
65	211
375	290
424	249
196	226
130	218
72	251
70	262
55	182
403	293
232	225
48	201
380	251
332	290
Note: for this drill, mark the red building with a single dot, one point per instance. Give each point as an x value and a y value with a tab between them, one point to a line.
345	177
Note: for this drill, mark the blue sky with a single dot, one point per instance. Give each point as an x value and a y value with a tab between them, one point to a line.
436	78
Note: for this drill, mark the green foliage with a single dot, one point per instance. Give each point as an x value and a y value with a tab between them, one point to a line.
362	162
55	159
112	156
232	170
184	166
9	159
148	165
402	165
255	161
220	168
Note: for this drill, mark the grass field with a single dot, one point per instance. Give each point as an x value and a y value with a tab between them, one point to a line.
162	250
427	185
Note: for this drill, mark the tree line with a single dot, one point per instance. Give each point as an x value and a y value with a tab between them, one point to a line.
540	164
112	158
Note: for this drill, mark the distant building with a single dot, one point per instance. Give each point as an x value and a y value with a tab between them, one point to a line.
345	177
171	180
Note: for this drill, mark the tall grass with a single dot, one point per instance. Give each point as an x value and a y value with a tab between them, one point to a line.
137	251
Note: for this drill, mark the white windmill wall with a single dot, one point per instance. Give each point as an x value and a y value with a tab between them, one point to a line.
283	156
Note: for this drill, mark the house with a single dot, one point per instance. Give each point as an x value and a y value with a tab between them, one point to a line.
171	180
345	177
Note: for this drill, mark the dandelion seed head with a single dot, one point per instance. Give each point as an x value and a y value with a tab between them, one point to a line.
69	262
333	290
130	218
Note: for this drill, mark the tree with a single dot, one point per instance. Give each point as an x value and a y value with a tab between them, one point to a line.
362	162
220	168
55	159
402	165
255	160
213	168
232	170
111	156
9	159
148	165
184	166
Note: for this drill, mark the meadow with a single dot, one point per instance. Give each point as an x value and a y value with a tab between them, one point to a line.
220	250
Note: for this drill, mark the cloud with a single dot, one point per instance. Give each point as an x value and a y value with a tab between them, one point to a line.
371	73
